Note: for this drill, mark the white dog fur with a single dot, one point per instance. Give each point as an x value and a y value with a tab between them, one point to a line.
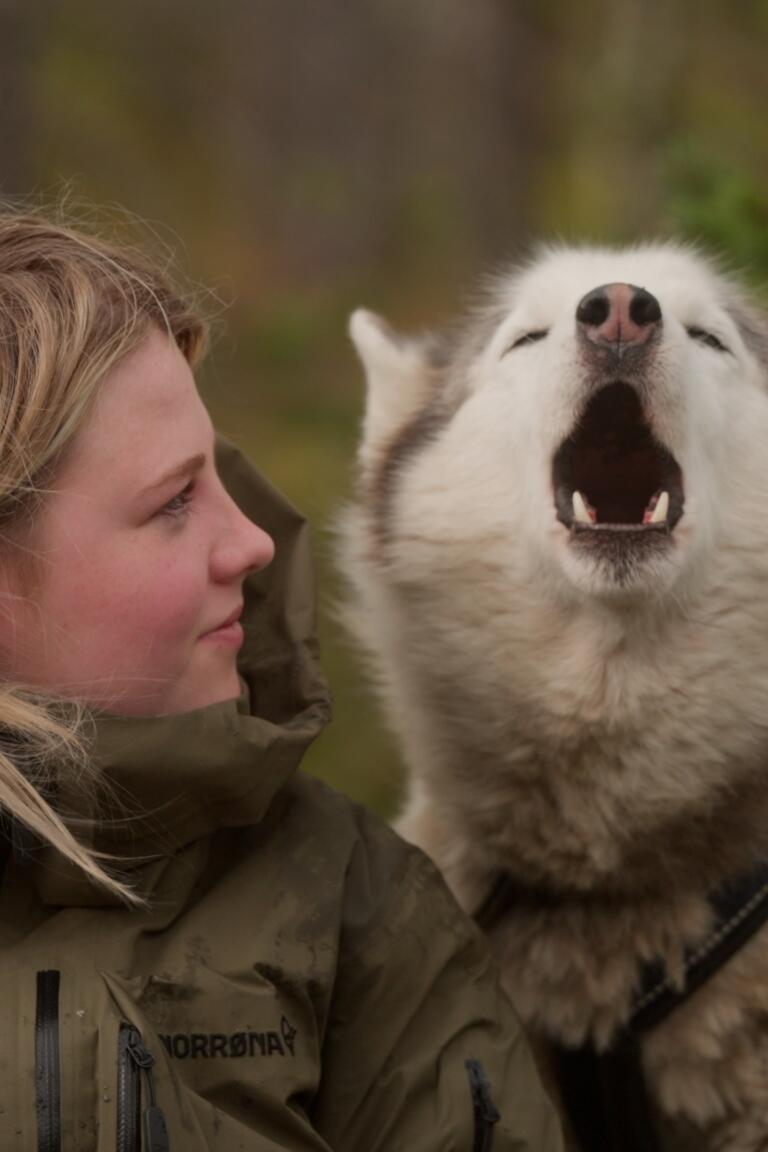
596	732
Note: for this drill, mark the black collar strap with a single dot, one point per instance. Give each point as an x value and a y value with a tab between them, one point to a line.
500	898
740	907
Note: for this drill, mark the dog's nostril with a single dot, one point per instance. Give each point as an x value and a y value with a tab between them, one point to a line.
594	308
644	308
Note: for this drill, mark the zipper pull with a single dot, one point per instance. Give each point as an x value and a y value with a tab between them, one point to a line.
486	1112
155	1130
153	1118
140	1055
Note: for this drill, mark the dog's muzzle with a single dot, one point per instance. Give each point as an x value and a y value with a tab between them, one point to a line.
611	476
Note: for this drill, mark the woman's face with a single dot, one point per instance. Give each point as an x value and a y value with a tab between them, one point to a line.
140	554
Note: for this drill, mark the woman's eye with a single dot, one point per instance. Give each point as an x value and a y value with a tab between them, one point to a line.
178	505
529	338
707	338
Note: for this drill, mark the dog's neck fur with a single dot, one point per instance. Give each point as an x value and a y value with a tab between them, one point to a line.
624	787
604	771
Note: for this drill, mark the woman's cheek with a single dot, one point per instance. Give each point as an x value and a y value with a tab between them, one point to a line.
156	601
175	607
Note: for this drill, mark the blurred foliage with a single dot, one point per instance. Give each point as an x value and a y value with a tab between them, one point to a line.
723	208
305	158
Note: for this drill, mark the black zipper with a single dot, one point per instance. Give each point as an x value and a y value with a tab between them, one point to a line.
47	1063
486	1113
137	1132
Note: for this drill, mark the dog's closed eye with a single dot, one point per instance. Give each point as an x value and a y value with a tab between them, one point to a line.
528	338
707	338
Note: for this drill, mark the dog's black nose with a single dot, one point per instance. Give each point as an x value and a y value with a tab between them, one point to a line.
618	314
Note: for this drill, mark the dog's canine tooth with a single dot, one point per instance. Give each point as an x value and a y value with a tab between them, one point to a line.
662	508
580	512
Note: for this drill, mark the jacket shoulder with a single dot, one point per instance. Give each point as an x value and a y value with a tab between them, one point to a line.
419	1027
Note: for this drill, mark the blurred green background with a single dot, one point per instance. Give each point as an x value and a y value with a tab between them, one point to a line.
304	157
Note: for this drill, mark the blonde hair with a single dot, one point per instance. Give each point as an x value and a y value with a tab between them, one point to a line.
72	306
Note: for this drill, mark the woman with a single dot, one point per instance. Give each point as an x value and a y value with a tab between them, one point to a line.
198	943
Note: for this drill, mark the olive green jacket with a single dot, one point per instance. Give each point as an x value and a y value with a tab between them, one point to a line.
299	978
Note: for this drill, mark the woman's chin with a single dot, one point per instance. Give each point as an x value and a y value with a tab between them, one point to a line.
201	691
201	696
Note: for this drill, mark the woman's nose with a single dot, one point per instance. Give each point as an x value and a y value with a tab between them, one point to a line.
261	547
242	547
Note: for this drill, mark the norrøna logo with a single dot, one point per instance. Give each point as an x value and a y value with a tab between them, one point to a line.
209	1045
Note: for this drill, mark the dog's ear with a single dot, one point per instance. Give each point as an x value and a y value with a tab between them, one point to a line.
398	374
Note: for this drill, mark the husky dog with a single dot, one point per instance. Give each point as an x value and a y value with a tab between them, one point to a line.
559	559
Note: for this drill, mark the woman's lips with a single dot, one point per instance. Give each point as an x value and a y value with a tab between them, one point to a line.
230	631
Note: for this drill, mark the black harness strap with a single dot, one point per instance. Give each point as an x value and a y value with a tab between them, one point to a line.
500	898
605	1098
740	908
604	1094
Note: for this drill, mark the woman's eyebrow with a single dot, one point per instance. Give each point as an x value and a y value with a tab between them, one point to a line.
193	464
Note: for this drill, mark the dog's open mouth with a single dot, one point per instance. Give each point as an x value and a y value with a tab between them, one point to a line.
612	476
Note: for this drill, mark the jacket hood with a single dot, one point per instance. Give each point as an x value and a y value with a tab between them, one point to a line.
169	780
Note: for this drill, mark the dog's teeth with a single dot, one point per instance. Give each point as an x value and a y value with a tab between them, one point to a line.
580	512
660	511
